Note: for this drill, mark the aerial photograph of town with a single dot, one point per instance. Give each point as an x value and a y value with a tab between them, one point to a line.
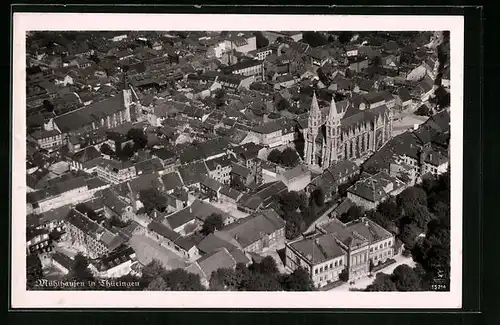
238	160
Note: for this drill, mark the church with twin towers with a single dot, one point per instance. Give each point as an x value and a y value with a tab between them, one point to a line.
345	130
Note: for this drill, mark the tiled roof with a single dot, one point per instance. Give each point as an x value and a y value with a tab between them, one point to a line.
375	188
318	249
163	230
218	259
92	113
201	210
211	242
239	170
179	218
211	184
250	229
171	181
230	192
193	173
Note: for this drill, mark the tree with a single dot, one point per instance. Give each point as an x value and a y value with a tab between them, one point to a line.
355	212
290	201
212	223
420	215
383	282
268	266
126	152
139	137
260	39
389	208
219	97
345	37
157	284
299	280
34	271
295	224
314	39
409	234
79	269
262	282
152	199
181	280
237	184
106	149
376	61
223	279
406	279
274	156
289	157
410	198
152	271
318	197
282	104
48	106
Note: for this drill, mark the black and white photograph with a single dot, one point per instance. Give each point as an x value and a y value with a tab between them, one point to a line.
309	155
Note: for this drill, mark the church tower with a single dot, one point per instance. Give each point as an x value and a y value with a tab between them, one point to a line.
332	136
314	124
127	98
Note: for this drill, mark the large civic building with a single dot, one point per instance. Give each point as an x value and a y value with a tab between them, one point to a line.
346	131
353	248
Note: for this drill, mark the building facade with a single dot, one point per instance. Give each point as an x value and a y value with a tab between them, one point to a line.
345	136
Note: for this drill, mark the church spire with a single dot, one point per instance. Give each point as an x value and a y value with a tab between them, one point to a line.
333	115
314	105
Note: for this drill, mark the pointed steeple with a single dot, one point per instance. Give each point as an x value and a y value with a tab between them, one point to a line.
333	114
314	111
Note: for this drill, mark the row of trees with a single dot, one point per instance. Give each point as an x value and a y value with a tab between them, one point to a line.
419	210
262	276
287	157
403	278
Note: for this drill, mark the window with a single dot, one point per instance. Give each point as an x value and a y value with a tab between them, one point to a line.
336	263
321	269
371	250
316	271
331	265
340	262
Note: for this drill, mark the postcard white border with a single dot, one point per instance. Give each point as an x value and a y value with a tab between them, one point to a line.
21	298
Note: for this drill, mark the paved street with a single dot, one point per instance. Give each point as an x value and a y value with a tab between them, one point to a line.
147	250
363	283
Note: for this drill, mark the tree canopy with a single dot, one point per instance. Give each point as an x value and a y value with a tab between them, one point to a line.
318	196
139	137
152	199
260	39
314	39
212	223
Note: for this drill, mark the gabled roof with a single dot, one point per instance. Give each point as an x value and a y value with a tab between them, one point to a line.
179	218
318	249
240	170
211	184
218	259
171	181
250	229
193	173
